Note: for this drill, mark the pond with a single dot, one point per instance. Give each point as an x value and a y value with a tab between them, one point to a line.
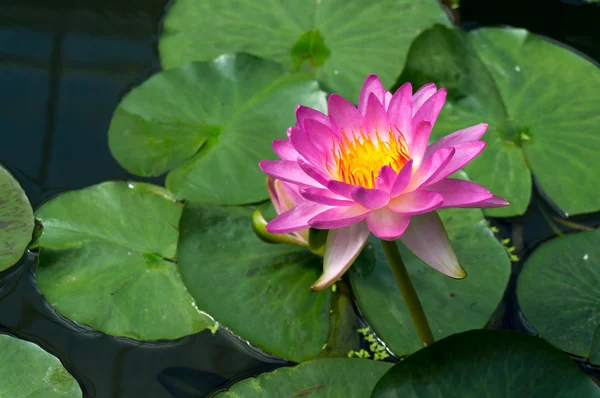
66	67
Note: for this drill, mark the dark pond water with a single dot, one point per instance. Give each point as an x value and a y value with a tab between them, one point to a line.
64	65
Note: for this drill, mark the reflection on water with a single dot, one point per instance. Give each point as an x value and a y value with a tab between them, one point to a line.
64	65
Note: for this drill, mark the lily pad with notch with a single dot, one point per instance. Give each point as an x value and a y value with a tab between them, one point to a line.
558	293
342	41
209	124
541	102
107	260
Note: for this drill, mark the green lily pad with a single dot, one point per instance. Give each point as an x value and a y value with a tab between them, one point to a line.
210	123
486	363
343	40
328	377
261	291
107	260
451	305
28	371
16	220
558	293
541	102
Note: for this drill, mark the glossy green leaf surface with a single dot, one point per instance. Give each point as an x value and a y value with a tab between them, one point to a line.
341	40
321	378
540	101
451	305
16	220
107	260
487	363
558	293
27	371
260	291
210	123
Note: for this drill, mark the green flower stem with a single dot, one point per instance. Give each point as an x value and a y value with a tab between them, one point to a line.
408	292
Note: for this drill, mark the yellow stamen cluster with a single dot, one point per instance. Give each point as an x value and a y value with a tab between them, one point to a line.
358	159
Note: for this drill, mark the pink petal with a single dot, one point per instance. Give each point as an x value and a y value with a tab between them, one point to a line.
313	172
345	116
431	167
473	133
341	188
285	150
376	119
400	111
386	224
431	108
494	201
417	202
295	219
419	142
463	154
387	97
320	135
422	95
370	198
385	178
372	85
343	246
339	217
304	113
403	179
427	238
301	143
324	196
283	195
286	170
459	193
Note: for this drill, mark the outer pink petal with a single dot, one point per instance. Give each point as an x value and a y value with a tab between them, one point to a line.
284	196
313	172
386	224
301	143
295	219
417	202
419	142
386	178
320	135
460	193
422	95
376	117
430	168
494	201
463	154
285	150
287	171
324	196
428	239
345	116
372	85
400	111
339	217
370	198
387	97
403	179
473	133
430	110
340	188
304	113
343	246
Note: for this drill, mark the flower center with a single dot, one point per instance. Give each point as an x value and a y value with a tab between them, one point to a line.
358	159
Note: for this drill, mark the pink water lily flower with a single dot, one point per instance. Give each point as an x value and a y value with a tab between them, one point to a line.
371	170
